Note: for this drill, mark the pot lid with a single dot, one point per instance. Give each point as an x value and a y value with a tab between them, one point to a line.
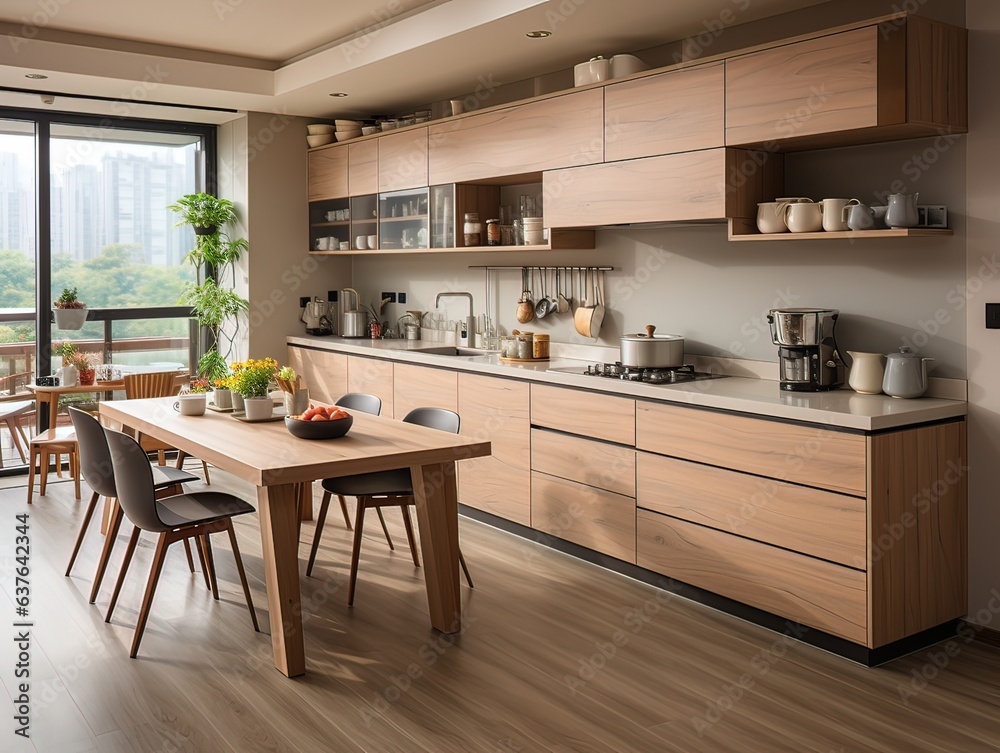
649	335
905	353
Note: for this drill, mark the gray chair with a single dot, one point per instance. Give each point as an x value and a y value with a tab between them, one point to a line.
95	467
176	518
383	489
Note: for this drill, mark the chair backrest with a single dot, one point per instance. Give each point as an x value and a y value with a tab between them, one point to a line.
134	481
95	457
434	418
156	384
361	401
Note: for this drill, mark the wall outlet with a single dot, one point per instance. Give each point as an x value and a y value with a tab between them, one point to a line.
993	316
332	295
402	297
390	296
303	301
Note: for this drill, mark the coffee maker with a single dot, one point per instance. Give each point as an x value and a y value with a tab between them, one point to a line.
316	317
808	359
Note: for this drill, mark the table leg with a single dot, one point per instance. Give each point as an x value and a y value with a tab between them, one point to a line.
306	499
276	507
436	499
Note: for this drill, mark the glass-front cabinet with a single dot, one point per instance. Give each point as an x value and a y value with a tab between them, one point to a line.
364	222
329	224
417	218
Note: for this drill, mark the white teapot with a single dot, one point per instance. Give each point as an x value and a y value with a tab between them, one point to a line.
905	374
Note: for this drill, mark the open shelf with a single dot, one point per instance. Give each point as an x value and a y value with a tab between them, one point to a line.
746	230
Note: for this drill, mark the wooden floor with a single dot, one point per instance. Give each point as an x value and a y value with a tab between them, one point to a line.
557	655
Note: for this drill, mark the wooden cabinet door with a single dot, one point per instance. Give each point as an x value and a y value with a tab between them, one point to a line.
402	160
362	168
422	387
551	133
588	414
496	410
328	173
673	112
373	377
816	86
688	186
324	373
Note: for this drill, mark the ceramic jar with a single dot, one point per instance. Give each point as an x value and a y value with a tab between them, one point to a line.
867	372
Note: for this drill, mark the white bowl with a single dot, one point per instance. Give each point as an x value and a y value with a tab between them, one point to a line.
347	135
318	129
626	65
321	140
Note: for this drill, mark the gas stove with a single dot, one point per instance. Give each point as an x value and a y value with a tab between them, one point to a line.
677	375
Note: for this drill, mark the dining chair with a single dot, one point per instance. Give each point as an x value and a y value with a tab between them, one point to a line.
176	518
96	468
157	384
12	415
48	445
384	489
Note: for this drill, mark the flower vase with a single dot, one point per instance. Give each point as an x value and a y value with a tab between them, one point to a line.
258	408
296	403
87	376
238	404
223	398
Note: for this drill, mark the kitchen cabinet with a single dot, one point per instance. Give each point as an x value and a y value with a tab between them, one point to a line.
520	140
328	173
422	387
374	377
362	168
324	373
598	464
497	410
900	79
587	414
402	160
594	518
679	111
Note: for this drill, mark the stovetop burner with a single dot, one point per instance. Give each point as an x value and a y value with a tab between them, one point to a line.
677	375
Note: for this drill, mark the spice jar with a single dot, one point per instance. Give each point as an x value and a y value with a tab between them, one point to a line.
525	345
508	346
492	232
540	346
473	229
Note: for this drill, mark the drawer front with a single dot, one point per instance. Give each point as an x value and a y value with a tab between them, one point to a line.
816	86
816	593
588	414
815	522
422	387
597	464
496	410
599	520
558	132
788	452
687	186
328	173
373	377
673	112
324	373
402	160
362	173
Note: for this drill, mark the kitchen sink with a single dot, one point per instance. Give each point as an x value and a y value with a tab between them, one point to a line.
455	352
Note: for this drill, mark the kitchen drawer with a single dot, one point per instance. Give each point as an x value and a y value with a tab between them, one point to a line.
599	520
801	454
422	387
373	377
597	464
812	521
810	591
588	414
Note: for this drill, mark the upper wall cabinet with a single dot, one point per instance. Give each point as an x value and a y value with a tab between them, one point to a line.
559	132
328	173
402	160
362	168
900	79
678	111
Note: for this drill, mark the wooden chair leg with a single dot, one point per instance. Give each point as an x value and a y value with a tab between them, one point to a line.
109	543
324	506
44	471
465	568
385	530
75	460
161	457
132	542
359	524
15	428
242	572
31	473
204	467
187	551
58	464
210	560
87	515
162	545
179	465
343	509
408	525
204	566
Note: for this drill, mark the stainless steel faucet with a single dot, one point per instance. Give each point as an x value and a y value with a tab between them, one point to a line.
468	336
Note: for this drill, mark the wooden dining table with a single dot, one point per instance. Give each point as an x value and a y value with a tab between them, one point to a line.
266	455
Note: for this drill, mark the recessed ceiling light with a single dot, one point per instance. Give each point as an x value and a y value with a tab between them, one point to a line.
35	75
539	34
339	94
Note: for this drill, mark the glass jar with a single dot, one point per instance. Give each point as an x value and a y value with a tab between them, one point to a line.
492	232
525	345
540	346
472	229
508	346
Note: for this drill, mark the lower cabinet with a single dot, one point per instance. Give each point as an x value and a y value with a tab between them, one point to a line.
496	410
374	377
422	387
323	373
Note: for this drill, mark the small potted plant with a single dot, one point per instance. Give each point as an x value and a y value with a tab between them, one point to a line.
252	382
69	311
199	386
223	395
204	212
86	365
69	374
296	396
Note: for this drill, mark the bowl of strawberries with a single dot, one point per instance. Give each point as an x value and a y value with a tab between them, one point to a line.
320	422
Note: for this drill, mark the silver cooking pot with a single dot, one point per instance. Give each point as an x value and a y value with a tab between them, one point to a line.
795	327
652	351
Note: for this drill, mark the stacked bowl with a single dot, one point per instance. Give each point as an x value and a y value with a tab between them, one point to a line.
320	134
347	129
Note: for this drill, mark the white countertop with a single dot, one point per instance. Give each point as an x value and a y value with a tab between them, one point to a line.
841	408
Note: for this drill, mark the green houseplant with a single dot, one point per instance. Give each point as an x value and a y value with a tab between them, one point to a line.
69	311
252	380
214	303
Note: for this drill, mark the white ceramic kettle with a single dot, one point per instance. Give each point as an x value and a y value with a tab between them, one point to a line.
902	210
905	374
867	372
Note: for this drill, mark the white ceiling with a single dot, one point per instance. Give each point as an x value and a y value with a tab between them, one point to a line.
289	56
